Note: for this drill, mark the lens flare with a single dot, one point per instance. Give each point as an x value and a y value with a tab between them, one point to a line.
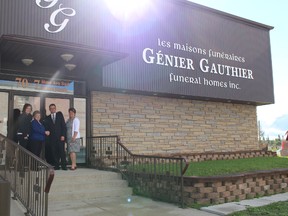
128	10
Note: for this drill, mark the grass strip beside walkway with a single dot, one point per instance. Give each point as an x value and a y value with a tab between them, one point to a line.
229	167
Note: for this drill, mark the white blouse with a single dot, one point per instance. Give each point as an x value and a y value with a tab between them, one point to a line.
75	127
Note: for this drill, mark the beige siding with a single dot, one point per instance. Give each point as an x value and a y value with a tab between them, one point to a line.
149	125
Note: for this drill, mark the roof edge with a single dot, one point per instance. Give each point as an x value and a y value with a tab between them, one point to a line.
224	14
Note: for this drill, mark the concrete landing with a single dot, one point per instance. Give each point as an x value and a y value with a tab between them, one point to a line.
138	206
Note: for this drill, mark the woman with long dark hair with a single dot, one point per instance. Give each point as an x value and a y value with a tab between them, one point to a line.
24	128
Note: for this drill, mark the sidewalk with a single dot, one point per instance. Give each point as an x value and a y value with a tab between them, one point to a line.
140	206
228	208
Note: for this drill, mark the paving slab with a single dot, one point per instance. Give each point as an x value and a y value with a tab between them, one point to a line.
277	197
255	202
228	208
224	209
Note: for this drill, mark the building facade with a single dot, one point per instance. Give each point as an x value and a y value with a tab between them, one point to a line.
171	77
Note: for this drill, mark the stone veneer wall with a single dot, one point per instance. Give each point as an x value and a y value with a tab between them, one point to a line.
214	189
151	125
222	189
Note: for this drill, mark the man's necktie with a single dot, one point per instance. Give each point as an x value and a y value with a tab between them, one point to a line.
53	118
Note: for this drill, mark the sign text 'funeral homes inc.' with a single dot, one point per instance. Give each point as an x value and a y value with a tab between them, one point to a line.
151	56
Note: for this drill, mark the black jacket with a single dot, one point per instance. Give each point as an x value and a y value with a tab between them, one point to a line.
24	124
56	130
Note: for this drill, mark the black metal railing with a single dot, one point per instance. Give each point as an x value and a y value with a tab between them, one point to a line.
107	152
29	176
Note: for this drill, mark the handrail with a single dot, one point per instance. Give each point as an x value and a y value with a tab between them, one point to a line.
107	152
29	176
186	166
49	181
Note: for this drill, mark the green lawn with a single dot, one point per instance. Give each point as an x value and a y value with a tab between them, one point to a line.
225	167
274	209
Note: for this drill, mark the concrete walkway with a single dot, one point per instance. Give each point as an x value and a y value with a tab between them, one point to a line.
228	208
140	206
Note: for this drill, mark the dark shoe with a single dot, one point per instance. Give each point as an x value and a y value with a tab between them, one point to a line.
56	168
72	169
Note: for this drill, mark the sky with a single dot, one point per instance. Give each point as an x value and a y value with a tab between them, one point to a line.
273	118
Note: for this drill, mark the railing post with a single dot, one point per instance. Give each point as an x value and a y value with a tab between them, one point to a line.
46	195
5	166
155	167
117	151
133	168
29	183
17	156
182	186
86	153
101	153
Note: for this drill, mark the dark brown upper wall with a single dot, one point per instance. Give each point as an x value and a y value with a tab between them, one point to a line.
185	36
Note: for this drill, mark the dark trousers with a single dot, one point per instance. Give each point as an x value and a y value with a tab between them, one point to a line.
54	152
35	147
23	142
61	155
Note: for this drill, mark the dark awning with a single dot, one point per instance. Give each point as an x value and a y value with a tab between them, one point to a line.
47	53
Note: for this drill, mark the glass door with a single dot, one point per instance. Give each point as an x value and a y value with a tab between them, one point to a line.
18	103
20	100
62	104
4	113
80	106
42	104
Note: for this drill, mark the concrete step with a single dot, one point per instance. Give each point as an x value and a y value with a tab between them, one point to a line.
91	194
85	184
64	186
89	174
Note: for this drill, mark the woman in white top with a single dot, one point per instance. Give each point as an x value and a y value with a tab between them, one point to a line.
73	136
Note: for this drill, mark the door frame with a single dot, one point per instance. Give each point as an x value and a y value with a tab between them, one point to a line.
42	99
42	105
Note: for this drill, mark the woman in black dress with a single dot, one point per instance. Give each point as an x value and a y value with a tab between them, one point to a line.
24	125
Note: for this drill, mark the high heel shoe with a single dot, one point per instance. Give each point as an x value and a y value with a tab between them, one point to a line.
73	168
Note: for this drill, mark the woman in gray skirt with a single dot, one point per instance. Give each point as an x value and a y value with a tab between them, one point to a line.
73	136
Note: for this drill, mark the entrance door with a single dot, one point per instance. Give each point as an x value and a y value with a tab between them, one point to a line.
80	106
42	104
62	104
20	100
4	112
18	103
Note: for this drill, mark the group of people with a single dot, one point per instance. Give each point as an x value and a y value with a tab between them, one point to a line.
34	132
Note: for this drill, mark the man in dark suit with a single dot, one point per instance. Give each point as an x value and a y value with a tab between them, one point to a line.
55	145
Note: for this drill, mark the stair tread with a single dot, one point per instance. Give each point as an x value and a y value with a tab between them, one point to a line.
87	184
91	191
